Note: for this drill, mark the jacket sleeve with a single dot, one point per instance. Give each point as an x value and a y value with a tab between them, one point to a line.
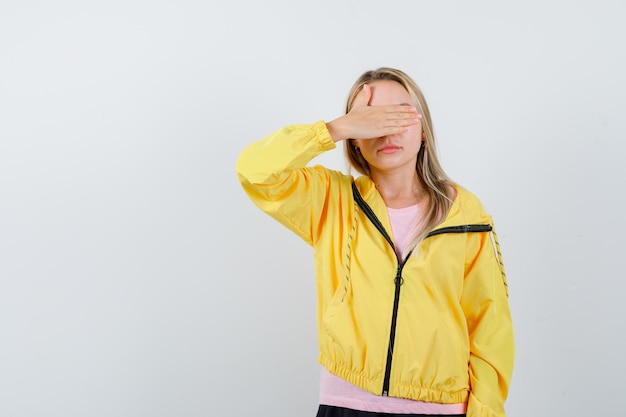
273	173
492	347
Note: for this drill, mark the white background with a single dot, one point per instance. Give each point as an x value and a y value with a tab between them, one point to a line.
137	279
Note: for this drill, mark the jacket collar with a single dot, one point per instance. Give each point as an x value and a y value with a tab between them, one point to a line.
466	208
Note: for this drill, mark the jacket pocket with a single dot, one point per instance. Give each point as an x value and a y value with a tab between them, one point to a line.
338	305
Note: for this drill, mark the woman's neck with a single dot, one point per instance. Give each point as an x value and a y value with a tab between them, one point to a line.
399	190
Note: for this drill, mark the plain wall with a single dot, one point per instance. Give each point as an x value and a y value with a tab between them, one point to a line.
137	279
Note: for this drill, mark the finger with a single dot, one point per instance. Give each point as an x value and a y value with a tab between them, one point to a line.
408	115
390	130
403	108
414	118
363	97
402	122
392	124
402	119
395	130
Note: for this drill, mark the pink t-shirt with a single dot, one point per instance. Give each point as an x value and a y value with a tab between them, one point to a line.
339	393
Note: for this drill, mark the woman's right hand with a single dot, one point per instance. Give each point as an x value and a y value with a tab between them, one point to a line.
369	122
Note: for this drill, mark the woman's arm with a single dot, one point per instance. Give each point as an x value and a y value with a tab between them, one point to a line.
492	347
273	170
273	173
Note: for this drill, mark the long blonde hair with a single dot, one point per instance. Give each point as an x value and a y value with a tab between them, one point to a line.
438	184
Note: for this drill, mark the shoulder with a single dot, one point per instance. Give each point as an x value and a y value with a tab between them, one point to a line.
334	178
365	185
465	196
469	205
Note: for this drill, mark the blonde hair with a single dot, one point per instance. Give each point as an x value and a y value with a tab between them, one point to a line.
429	170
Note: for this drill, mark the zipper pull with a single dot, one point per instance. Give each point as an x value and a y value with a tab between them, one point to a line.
399	280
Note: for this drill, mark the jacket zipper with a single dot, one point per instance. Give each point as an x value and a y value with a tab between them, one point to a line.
468	228
398	280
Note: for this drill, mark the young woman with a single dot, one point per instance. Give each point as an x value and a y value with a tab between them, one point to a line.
413	315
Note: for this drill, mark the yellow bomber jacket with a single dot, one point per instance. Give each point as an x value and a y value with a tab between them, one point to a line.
436	328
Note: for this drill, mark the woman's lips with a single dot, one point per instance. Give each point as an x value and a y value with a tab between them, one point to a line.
389	149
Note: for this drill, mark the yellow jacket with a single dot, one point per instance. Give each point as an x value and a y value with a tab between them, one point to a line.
436	328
